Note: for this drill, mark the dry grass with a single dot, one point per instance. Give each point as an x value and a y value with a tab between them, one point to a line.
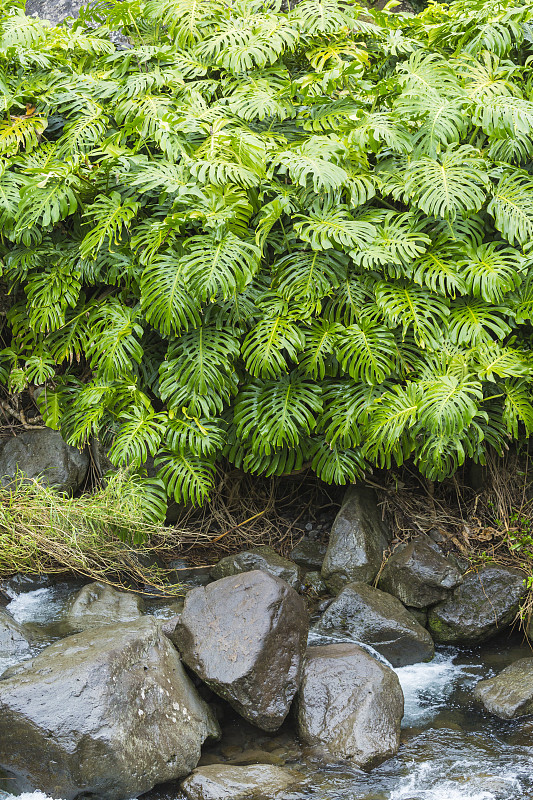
246	511
105	535
489	523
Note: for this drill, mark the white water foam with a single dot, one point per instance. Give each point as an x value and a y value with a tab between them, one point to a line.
424	783
25	796
317	638
427	686
39	605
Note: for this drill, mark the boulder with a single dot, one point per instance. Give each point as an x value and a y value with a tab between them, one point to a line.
108	712
97	604
264	558
44	455
309	554
483	605
357	541
350	703
14	640
245	636
509	694
419	575
228	782
373	617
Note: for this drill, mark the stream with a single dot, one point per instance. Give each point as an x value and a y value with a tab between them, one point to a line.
450	749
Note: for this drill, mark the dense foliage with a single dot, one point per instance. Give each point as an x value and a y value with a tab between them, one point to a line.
281	238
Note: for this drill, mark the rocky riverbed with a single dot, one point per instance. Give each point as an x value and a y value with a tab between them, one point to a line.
450	748
362	667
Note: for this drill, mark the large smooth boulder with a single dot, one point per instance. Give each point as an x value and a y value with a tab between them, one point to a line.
228	782
419	575
108	712
357	541
97	604
14	640
373	617
245	636
350	703
483	605
510	693
42	454
264	558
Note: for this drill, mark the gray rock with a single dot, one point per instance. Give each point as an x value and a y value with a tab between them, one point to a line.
14	640
483	605
55	12
350	703
108	712
419	575
228	782
245	637
314	585
264	558
44	455
97	604
509	694
357	541
420	614
309	554
376	618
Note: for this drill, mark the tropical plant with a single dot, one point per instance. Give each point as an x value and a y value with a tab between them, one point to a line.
282	238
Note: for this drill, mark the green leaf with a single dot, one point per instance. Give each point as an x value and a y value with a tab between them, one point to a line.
276	413
512	207
366	352
455	183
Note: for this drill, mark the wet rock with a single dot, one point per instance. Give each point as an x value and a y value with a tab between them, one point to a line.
108	712
14	640
376	618
483	605
42	454
245	637
420	614
97	604
183	572
350	703
314	585
55	11
509	694
309	554
357	541
227	782
264	558
419	575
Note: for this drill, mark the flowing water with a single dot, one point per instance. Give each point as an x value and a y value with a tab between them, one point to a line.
450	750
